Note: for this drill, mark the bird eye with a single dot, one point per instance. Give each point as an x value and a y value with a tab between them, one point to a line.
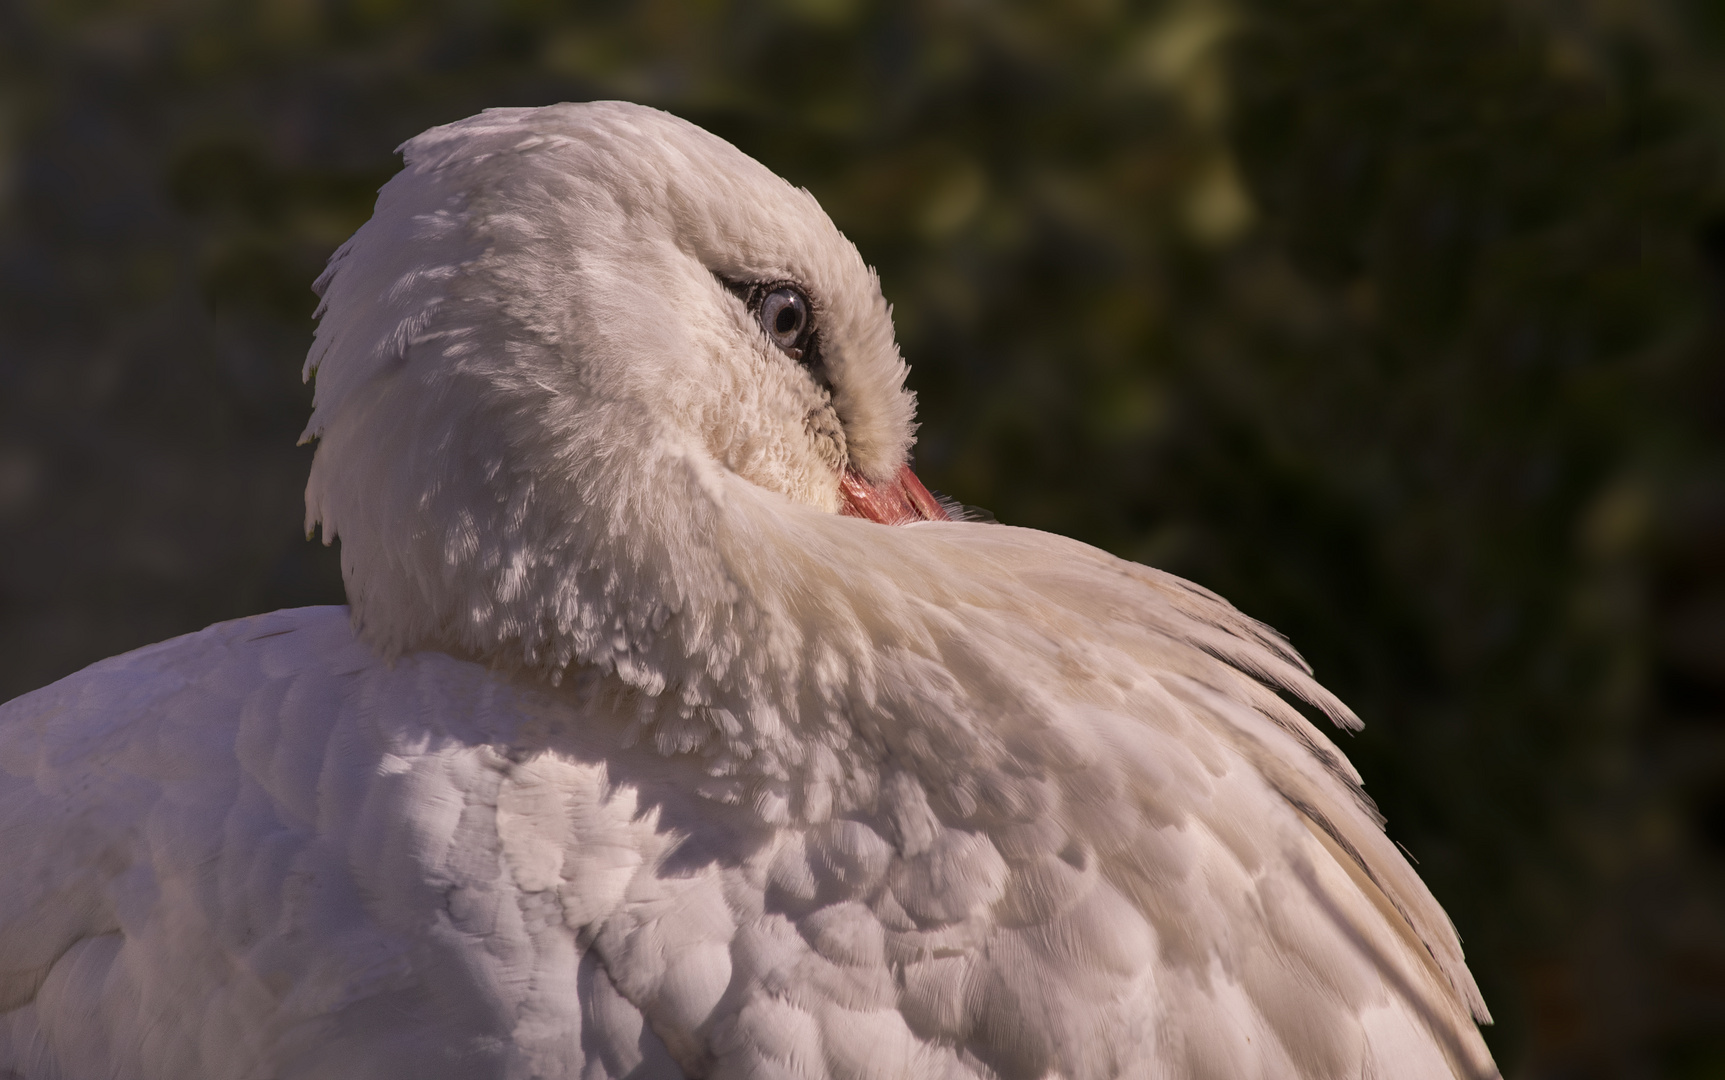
784	315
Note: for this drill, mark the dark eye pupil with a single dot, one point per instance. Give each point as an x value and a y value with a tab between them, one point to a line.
787	320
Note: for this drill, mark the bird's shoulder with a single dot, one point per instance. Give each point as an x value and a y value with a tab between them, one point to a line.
315	858
1102	841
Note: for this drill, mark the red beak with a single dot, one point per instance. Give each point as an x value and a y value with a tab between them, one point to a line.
899	501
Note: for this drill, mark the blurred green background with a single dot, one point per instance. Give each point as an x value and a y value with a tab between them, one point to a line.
1397	322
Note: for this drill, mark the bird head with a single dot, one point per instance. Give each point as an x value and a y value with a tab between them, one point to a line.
568	344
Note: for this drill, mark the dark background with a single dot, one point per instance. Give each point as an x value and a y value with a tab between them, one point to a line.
1398	322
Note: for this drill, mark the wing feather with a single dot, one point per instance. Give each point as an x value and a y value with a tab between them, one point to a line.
979	803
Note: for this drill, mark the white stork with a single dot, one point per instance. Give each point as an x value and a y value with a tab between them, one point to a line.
672	730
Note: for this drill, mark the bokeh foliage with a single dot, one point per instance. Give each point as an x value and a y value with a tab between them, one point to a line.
1395	321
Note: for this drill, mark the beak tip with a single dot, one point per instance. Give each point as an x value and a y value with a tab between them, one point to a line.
899	501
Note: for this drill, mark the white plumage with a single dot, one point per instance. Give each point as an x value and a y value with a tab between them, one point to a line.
637	758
